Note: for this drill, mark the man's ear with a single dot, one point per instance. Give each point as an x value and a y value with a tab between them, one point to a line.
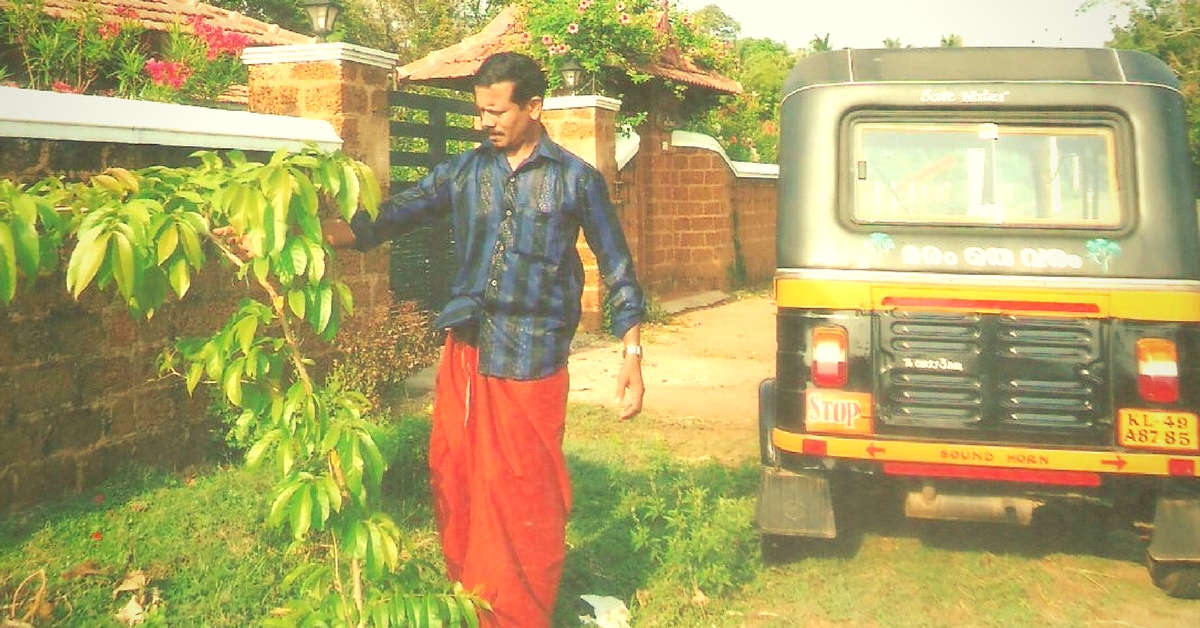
535	107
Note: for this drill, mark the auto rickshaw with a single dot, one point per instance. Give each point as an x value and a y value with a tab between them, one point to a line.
988	291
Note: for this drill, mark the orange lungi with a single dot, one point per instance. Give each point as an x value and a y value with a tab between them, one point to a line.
500	486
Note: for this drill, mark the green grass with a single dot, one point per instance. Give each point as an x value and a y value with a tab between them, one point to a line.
671	537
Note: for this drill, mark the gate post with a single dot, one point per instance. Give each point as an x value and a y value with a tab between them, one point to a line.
346	85
587	126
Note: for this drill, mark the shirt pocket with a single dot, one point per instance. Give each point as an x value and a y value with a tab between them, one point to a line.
540	236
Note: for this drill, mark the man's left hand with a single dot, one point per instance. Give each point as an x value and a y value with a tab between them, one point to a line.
630	388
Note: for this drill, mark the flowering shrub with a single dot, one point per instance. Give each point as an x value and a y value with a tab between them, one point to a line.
612	39
115	55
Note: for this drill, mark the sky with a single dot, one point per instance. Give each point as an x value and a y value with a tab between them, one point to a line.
866	23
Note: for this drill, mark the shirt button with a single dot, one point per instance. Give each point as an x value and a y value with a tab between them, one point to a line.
493	282
508	213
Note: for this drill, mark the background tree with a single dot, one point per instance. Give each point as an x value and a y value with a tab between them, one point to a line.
892	42
820	44
712	20
1169	30
953	40
412	28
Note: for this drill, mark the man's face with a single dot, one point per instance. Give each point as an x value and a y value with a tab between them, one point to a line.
509	126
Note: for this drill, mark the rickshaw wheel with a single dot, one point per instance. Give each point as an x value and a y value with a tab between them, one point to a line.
1181	580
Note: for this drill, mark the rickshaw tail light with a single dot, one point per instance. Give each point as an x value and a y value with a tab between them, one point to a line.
1158	370
830	348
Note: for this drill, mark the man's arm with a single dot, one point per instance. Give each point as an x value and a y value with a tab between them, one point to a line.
630	388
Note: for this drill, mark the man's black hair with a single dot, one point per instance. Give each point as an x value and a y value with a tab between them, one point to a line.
526	75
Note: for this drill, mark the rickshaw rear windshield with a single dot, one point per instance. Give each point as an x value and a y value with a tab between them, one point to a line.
985	173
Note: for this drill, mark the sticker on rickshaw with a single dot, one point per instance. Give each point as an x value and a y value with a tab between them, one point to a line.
838	412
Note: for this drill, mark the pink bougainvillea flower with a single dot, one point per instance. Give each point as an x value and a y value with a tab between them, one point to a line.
547	40
128	13
168	73
108	30
625	18
733	140
65	88
97	536
572	28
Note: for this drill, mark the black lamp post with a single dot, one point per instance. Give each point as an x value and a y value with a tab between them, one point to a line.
322	14
572	75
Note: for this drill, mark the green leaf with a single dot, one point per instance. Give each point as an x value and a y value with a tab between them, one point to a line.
296	251
316	267
179	277
245	331
372	195
168	241
374	465
296	301
25	237
121	261
195	372
260	448
8	264
334	493
301	514
232	386
345	297
280	508
190	238
348	197
324	307
85	262
322	498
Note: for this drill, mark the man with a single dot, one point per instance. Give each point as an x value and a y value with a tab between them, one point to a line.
516	205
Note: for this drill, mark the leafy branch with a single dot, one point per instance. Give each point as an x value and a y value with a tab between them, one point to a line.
147	233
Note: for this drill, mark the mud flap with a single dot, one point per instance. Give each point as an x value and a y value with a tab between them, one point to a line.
1176	529
766	422
795	504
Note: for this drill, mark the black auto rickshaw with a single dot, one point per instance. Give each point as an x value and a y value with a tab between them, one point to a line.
988	292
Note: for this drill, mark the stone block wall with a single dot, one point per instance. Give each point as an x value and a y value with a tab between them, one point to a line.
679	203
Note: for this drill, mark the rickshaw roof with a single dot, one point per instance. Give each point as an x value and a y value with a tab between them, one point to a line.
964	64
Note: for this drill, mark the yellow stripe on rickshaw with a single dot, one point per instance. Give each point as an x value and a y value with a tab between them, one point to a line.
994	456
1126	303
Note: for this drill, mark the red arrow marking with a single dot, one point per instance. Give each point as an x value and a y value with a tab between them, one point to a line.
1119	463
871	449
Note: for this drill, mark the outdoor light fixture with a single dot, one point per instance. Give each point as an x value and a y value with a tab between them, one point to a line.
572	75
322	14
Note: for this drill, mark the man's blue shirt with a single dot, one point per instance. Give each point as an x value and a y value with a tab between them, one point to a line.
520	277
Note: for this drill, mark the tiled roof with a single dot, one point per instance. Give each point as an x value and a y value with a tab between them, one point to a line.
453	64
161	14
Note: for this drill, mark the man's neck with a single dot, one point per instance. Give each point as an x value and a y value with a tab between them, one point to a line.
520	153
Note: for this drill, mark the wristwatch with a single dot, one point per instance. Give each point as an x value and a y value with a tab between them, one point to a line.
632	350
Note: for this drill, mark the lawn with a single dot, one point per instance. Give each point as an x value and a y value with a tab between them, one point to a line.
670	535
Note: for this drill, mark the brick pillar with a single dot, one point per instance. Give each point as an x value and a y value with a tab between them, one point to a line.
346	85
587	126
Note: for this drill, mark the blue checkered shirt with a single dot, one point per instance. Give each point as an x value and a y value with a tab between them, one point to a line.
520	277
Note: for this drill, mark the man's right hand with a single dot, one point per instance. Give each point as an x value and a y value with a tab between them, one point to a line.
338	233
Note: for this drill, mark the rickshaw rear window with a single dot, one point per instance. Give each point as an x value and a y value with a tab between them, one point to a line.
985	174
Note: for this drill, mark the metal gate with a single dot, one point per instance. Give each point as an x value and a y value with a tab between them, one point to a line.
425	130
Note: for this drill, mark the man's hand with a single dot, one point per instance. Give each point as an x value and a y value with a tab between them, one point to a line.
630	388
234	243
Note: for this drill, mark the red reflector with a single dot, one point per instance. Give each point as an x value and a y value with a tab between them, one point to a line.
1181	466
994	304
1158	370
995	474
830	346
812	447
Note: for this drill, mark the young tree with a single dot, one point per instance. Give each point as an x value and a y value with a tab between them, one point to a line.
1169	30
953	40
820	44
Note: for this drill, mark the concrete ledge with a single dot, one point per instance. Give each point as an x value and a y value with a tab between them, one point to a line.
36	114
336	51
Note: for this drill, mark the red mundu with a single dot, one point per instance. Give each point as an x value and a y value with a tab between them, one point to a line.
500	486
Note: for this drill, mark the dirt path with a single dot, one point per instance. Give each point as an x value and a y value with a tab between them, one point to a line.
701	372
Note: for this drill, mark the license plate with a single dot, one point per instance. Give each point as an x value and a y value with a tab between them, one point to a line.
1156	429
